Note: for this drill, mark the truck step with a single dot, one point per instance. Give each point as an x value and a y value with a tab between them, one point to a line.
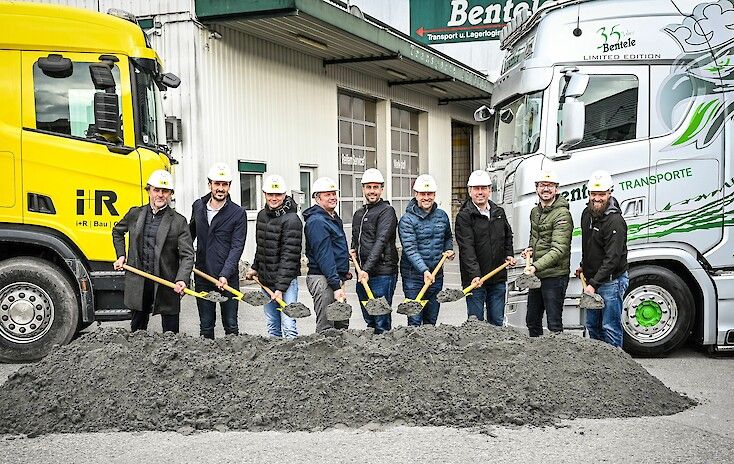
108	315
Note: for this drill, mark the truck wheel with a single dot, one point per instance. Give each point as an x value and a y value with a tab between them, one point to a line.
658	312
38	309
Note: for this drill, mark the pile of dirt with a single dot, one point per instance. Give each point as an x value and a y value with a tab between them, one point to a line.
470	376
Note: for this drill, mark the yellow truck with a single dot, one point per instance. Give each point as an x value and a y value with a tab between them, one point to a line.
81	128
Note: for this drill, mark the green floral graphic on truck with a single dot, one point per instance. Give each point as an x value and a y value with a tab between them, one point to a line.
702	77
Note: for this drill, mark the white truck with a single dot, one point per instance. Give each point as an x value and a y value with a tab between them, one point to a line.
645	90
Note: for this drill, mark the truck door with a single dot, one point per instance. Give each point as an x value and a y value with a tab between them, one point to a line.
616	131
10	197
74	180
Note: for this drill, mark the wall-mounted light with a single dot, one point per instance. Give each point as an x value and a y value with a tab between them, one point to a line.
311	42
438	90
397	74
215	35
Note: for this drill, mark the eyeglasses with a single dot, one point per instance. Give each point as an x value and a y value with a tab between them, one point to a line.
545	185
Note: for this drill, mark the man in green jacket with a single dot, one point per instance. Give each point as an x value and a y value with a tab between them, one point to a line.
551	227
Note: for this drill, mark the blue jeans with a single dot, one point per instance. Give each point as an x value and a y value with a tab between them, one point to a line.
606	324
491	297
549	299
381	285
411	287
280	325
208	311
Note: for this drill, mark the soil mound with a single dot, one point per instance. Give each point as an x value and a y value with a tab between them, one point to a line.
469	376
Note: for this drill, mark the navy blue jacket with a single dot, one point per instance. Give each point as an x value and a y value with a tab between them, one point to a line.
425	236
219	244
326	246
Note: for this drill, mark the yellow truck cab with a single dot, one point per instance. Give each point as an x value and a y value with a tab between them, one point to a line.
81	129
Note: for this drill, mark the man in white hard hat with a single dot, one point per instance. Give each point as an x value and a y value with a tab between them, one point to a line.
551	228
373	243
485	242
327	251
604	259
425	233
219	226
277	262
172	259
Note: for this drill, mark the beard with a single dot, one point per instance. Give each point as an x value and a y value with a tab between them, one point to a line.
597	209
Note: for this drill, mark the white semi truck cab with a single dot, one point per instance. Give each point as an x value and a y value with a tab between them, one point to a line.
645	90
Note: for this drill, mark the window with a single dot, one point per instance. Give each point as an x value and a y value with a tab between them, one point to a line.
251	180
404	155
611	110
306	174
149	108
357	150
518	126
65	105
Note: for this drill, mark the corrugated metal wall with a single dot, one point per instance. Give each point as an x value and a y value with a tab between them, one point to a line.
136	7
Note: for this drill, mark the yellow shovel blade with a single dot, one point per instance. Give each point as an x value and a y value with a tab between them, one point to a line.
423	303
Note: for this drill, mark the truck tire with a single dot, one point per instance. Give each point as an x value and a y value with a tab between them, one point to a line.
658	312
38	309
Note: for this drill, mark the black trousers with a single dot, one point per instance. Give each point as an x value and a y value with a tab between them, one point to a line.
140	319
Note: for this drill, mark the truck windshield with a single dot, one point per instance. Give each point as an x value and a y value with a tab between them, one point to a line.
149	110
518	126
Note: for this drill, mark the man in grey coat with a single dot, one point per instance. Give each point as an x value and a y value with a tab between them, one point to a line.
160	244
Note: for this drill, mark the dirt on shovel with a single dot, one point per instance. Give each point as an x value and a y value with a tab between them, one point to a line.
339	311
255	298
410	308
377	306
448	295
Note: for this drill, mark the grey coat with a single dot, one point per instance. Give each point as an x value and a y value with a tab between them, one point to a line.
174	257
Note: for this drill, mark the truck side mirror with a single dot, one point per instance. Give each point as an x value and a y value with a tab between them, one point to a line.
574	117
575	86
483	113
170	80
55	65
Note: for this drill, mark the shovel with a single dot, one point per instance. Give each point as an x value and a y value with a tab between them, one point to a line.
216	297
414	307
373	306
589	301
339	310
451	294
295	310
526	279
253	298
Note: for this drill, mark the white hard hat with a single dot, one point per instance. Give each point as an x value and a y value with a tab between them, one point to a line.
479	178
323	184
546	175
425	183
274	184
372	175
600	181
161	179
220	172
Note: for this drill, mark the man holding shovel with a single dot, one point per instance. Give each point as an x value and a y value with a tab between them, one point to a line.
373	245
277	260
485	242
159	244
551	228
327	252
425	233
604	259
219	226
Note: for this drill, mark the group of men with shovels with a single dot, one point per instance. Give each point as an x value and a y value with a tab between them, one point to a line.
161	251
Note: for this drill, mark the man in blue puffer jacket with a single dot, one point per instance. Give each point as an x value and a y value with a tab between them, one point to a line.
425	232
327	252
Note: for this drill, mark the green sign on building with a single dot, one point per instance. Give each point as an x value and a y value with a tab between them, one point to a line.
449	21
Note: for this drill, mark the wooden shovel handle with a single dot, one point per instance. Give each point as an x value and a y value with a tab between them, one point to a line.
487	276
583	282
270	292
216	282
366	286
528	262
152	277
435	271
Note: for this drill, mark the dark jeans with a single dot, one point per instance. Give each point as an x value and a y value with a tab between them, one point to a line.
381	285
208	311
411	286
491	297
169	322
549	299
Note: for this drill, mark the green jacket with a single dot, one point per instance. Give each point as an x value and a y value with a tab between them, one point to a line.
550	238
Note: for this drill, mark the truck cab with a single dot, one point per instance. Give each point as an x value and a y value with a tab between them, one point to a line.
643	89
81	128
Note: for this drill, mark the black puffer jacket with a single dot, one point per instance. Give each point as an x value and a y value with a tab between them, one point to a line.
278	235
373	236
484	243
603	244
